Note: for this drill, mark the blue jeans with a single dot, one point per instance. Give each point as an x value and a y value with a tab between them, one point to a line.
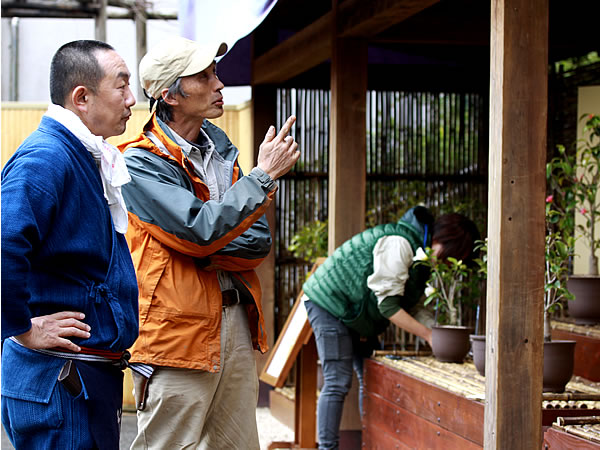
335	348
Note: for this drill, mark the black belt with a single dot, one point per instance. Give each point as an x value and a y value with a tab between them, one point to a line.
231	297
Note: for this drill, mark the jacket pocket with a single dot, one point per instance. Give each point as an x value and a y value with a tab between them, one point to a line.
149	274
30	391
28	417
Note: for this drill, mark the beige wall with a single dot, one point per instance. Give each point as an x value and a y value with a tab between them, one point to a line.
20	119
588	103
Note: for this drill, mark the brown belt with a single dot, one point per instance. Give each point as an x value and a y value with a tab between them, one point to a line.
231	297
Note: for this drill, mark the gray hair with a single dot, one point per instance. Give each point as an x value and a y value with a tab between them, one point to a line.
164	111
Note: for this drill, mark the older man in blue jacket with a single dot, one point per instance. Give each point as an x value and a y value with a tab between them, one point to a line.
69	292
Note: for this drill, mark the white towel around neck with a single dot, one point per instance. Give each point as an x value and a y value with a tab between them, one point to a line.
113	170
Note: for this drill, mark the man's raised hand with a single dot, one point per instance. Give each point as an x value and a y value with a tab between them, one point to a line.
278	153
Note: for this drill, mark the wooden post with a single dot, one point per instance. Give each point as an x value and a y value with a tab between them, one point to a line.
305	424
518	111
264	100
100	21
139	16
347	145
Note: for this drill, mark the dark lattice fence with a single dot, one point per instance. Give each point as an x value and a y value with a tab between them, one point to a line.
428	148
422	147
302	195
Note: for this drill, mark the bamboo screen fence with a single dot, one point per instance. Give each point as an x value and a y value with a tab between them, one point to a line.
422	147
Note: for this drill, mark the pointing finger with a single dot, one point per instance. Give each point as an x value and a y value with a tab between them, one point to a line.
270	134
287	126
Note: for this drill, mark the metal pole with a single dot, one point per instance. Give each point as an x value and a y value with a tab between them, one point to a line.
14	60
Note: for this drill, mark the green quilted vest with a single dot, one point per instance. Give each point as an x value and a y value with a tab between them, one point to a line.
339	285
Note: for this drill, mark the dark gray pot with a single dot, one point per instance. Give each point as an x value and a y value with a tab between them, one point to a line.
585	308
558	365
478	346
450	343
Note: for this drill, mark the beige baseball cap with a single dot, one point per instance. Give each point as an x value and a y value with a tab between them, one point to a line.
173	58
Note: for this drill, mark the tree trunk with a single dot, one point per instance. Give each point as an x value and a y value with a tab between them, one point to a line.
547	328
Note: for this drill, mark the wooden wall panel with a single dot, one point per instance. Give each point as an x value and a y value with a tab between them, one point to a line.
19	120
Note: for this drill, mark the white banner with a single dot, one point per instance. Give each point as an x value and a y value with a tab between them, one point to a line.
221	20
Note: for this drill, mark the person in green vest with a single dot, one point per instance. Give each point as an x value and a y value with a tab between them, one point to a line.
368	282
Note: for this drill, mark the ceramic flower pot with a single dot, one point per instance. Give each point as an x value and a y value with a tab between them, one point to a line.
450	343
558	365
558	362
585	308
478	346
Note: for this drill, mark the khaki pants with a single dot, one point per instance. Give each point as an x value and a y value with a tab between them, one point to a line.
193	409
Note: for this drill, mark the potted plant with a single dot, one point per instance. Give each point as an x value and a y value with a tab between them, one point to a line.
558	355
478	340
451	287
573	182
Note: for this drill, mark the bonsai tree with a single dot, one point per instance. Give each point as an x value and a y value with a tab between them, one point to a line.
559	249
573	182
452	285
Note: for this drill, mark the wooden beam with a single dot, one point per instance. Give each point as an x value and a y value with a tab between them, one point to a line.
347	140
518	113
311	46
358	18
304	50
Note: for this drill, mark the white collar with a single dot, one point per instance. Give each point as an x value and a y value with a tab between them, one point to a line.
113	170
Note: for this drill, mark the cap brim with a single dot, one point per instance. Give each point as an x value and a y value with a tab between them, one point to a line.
203	59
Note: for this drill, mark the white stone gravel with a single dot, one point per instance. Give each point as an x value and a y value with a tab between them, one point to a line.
270	429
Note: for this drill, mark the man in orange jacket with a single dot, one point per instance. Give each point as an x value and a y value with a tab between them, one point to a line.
197	232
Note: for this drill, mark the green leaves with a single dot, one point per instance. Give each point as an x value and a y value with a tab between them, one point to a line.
310	242
451	285
573	179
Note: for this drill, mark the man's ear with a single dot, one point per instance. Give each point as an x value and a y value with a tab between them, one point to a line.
168	99
80	98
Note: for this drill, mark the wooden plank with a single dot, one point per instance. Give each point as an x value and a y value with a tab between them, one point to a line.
304	50
375	438
560	440
425	400
358	18
347	141
312	45
305	418
587	354
410	429
296	334
518	115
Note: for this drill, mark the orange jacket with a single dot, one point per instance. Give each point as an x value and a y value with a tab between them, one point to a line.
178	238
